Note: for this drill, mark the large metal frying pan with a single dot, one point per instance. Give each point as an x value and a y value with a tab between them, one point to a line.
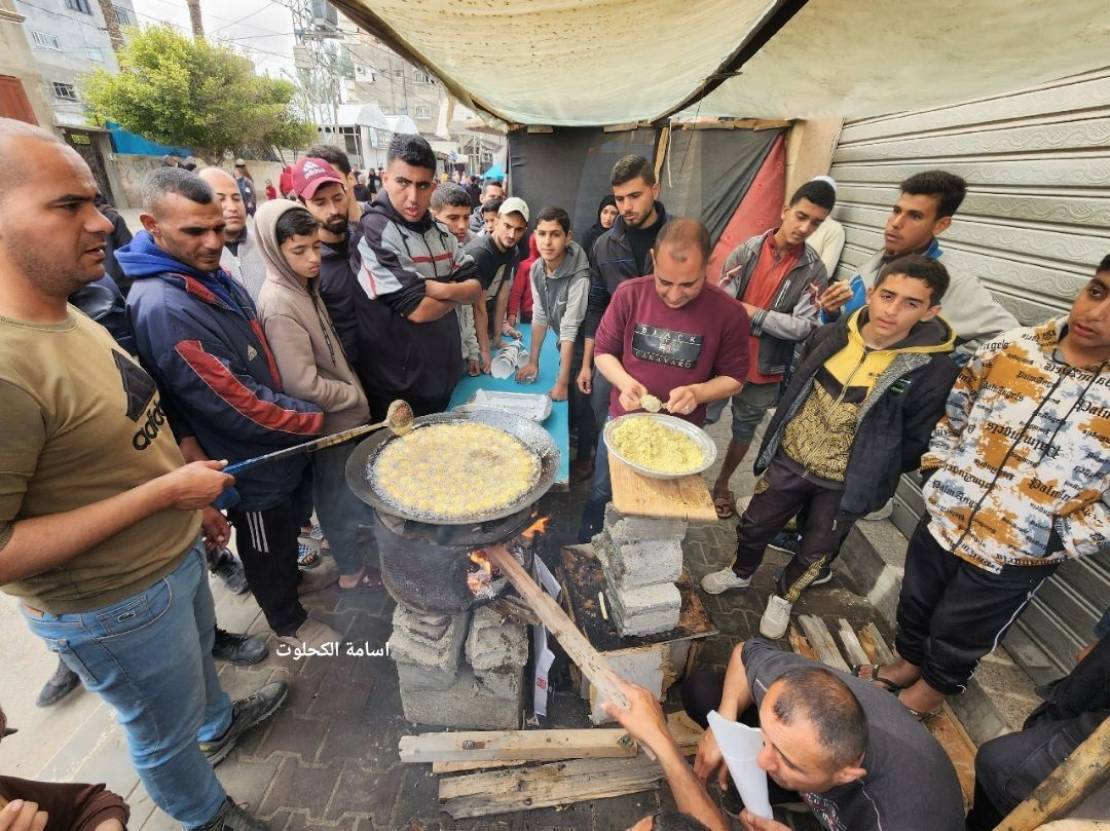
534	437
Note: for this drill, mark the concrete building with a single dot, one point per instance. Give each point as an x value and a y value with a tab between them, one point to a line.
22	93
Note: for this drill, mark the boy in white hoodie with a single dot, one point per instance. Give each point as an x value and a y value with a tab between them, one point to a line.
314	368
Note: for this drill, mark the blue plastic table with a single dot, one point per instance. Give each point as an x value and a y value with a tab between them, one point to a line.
558	423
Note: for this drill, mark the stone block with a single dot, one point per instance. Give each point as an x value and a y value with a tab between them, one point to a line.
625	528
643	563
504	682
443	654
417	677
470	703
421	626
645	610
493	642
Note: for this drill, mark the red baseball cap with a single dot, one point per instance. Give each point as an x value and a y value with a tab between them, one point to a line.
309	173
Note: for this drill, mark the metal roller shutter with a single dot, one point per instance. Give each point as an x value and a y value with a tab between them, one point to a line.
1035	223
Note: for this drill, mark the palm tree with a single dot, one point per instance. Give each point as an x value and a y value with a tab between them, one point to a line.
111	21
194	18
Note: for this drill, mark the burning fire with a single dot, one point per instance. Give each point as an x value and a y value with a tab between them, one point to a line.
537	527
478	581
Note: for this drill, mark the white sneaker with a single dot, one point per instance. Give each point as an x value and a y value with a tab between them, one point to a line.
313	634
776	617
723	580
883	512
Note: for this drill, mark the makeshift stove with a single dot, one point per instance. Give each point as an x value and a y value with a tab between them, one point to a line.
459	644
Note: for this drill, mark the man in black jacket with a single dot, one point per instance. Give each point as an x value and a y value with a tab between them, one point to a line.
621	253
858	413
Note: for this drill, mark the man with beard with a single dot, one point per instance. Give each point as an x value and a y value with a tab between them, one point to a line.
240	257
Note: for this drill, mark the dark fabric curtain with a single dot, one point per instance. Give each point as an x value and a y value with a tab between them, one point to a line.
707	172
569	168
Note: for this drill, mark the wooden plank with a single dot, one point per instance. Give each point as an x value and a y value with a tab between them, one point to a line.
560	626
520	745
871	639
463	767
1076	778
852	648
546	785
819	637
799	644
686	498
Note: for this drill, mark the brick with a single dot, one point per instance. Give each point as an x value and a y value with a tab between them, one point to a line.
418	677
493	642
442	654
644	563
625	528
646	610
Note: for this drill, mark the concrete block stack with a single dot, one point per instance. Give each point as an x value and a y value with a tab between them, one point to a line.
464	671
641	558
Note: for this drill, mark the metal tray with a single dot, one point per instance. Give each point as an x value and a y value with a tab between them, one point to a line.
530	405
704	443
535	438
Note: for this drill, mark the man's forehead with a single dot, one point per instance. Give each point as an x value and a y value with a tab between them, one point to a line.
59	169
184	210
404	170
328	191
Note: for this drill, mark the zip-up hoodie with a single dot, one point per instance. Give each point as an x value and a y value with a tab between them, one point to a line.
559	300
863	414
1022	455
198	336
392	259
306	345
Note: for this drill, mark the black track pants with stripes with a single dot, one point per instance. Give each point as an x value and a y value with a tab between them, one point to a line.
267	545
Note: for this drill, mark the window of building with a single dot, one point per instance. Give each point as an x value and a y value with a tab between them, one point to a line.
398	73
423	111
45	40
64	92
421	77
79	6
95	53
124	16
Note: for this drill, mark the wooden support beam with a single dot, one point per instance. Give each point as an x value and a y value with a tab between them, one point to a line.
559	625
1076	778
799	644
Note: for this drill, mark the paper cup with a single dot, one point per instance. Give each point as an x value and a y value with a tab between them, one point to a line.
740	745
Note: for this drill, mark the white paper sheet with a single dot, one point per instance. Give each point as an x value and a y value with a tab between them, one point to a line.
740	745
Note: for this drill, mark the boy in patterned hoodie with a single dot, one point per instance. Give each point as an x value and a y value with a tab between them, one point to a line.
1017	476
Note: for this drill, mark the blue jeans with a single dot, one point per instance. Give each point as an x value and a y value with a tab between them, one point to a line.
601	491
150	657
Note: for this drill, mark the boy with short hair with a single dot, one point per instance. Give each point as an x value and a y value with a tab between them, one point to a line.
858	412
451	208
560	281
495	255
490	209
1017	483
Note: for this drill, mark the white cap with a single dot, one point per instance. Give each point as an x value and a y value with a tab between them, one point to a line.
514	205
829	179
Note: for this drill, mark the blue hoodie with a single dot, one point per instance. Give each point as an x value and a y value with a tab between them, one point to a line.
198	336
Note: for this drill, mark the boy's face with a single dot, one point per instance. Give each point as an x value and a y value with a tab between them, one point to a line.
457	220
1089	319
508	230
302	253
897	304
490	220
409	189
800	220
551	240
912	223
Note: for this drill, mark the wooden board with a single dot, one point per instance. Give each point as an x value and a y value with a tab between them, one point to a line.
819	637
800	645
852	647
519	745
636	495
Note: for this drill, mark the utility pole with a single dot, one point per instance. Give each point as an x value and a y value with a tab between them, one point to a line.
195	19
314	24
111	22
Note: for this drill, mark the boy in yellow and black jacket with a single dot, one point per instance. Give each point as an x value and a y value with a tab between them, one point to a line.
858	413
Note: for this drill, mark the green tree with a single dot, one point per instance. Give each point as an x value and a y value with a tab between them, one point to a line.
176	90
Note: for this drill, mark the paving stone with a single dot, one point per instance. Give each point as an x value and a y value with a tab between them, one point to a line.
300	787
247	781
293	736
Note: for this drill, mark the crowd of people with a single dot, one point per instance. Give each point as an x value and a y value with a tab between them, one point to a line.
226	329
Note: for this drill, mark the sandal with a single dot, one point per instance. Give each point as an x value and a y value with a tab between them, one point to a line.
923	718
725	505
307	556
370	580
874	677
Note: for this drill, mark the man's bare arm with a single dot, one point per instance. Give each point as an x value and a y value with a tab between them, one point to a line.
41	543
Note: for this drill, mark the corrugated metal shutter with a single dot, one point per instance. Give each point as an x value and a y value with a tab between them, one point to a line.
1035	223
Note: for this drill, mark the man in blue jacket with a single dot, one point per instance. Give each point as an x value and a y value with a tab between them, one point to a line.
198	335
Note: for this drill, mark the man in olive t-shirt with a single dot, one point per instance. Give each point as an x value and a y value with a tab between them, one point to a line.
98	513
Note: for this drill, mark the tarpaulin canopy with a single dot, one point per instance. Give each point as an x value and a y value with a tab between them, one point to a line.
595	62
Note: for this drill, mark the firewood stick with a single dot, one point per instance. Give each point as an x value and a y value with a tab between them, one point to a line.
559	624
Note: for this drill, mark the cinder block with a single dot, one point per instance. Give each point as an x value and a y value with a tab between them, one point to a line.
429	628
417	677
625	528
469	703
442	655
494	642
645	610
645	563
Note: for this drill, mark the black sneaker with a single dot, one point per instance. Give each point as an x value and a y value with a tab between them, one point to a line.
241	650
787	542
227	567
61	683
231	817
248	712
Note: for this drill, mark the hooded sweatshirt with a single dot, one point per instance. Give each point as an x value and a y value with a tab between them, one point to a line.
198	336
597	229
306	345
1022	455
559	299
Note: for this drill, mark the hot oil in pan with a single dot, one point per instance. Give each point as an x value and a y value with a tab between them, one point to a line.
454	470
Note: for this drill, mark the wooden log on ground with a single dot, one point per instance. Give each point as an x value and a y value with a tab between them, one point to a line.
852	647
519	745
1076	778
800	645
819	637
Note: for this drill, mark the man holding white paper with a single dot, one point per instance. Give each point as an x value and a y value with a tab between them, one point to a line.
843	747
